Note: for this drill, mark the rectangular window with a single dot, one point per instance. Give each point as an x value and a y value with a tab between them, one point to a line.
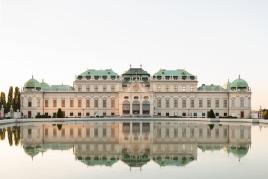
104	88
104	103
88	103
217	103
29	132
71	114
200	133
96	132
71	103
54	103
113	103
104	132
79	132
71	132
175	132
29	103
63	103
38	102
54	132
200	103
217	132
225	133
113	133
96	88
88	88
88	132
79	88
46	103
159	103
112	88
46	132
192	103
79	103
167	103
175	103
225	103
209	103
96	103
62	132
208	132
184	103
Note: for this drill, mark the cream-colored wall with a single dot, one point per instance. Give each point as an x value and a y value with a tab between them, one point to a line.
167	91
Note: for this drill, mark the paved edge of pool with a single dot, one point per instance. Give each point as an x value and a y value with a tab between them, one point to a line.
15	121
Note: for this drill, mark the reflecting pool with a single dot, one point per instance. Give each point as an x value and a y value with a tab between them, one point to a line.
134	149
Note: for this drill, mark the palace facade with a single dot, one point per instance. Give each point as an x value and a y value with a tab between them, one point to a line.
135	93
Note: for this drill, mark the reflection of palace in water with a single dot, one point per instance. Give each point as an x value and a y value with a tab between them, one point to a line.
136	143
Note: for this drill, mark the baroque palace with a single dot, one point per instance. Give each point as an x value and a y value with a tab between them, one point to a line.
170	93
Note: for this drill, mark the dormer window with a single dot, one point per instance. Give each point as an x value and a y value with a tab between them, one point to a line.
96	77
175	77
88	77
167	77
104	77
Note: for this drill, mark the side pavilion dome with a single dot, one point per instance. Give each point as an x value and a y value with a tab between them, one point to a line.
32	84
239	84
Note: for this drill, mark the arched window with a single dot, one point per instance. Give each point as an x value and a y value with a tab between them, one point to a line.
136	107
146	107
126	107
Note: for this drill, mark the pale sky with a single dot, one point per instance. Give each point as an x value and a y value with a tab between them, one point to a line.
58	39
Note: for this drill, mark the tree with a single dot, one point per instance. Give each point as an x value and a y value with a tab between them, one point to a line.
16	100
60	113
9	98
265	113
211	114
2	100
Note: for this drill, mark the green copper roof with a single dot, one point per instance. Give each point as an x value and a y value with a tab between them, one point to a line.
44	85
91	73
97	161
32	83
211	88
136	71
173	162
239	83
59	88
33	150
239	152
135	160
179	73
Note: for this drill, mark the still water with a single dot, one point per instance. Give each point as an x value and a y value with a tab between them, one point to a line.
134	149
